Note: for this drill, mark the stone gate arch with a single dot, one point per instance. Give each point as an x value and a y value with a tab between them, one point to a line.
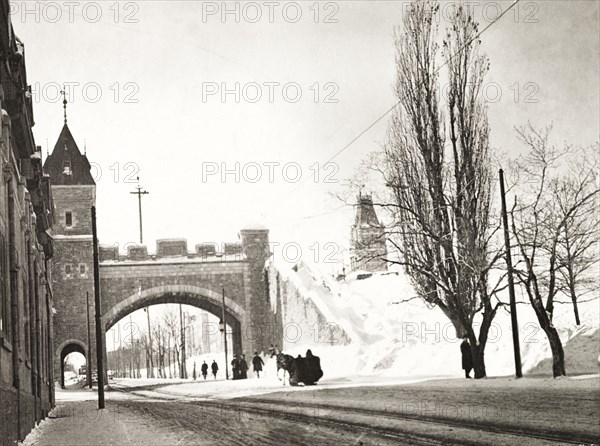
67	347
200	297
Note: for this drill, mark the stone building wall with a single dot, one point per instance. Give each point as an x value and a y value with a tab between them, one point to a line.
26	380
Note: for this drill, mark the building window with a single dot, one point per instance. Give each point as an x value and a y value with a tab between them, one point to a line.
68	219
67	167
82	269
25	338
68	270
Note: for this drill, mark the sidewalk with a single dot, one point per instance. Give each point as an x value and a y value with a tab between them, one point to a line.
78	422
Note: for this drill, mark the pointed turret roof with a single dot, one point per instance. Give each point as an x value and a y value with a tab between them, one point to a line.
66	165
365	212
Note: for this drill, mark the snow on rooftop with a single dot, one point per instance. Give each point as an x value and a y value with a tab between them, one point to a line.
253	226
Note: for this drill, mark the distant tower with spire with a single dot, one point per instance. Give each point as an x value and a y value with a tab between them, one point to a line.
368	251
74	193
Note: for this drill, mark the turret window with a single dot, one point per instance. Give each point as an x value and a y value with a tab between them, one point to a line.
68	219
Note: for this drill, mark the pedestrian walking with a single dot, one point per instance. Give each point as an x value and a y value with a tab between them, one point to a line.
257	363
243	365
215	368
204	370
194	371
467	360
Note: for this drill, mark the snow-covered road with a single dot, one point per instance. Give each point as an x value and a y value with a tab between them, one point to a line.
499	411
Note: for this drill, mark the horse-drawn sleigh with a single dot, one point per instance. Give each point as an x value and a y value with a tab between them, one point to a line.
305	370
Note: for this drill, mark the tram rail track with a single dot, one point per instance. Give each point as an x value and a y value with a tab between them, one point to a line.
404	428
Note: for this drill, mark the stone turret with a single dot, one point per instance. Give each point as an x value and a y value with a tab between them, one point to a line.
74	193
368	250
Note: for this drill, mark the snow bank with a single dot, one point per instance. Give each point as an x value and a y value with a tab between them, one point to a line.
384	330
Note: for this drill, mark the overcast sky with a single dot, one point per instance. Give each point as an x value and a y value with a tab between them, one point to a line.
155	116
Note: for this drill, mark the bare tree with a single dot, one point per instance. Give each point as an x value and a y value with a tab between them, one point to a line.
171	321
159	337
442	186
549	226
577	247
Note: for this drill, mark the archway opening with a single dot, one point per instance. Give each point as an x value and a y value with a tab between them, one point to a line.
169	341
73	365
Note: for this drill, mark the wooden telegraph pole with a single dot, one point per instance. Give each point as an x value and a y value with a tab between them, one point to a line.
183	371
224	329
89	344
139	192
511	282
99	337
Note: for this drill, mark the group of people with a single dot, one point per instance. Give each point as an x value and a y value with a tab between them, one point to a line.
240	366
306	370
204	369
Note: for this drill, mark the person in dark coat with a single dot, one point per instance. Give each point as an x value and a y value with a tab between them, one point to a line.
204	369
235	367
297	372
243	367
467	360
312	369
215	368
257	363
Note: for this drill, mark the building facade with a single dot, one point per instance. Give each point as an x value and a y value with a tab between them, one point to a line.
26	249
368	251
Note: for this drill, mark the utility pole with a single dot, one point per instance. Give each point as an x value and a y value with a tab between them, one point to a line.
88	374
139	192
158	371
118	350
511	282
183	372
223	328
99	337
131	351
151	372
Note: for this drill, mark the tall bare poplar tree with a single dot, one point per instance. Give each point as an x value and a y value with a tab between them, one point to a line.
439	171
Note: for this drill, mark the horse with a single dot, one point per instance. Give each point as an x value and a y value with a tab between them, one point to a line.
285	362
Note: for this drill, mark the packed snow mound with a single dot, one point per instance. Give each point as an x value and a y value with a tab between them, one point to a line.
394	333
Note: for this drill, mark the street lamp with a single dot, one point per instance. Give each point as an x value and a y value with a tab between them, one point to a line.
223	329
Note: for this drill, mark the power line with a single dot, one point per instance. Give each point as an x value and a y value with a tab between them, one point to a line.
389	110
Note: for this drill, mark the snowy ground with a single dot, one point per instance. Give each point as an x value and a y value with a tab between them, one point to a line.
498	411
221	389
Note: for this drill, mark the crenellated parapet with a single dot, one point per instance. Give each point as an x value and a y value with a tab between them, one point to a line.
174	250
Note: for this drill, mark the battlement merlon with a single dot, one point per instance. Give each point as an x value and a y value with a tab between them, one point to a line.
253	247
